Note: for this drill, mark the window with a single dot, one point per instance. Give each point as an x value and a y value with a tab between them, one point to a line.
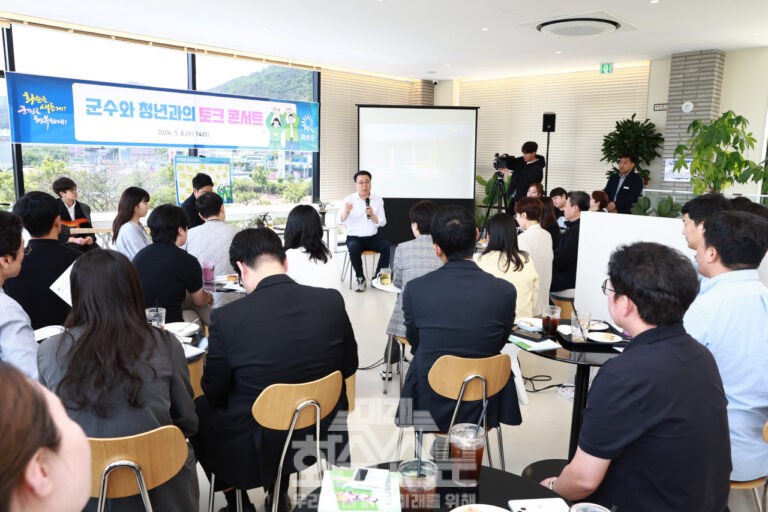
6	164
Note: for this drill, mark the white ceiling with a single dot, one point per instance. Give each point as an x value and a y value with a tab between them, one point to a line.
427	39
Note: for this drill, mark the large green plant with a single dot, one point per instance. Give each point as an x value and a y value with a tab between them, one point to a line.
632	137
715	149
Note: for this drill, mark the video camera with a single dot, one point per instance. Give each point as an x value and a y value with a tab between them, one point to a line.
502	161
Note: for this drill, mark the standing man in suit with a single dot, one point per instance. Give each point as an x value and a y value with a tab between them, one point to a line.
46	261
201	184
74	214
458	310
281	332
624	187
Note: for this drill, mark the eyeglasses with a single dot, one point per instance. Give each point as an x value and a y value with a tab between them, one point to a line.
605	287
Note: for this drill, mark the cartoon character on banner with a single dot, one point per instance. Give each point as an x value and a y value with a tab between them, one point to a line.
291	130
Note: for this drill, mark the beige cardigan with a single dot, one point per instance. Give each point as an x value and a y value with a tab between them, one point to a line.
526	280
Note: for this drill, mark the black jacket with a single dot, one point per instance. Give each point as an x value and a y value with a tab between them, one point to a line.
631	189
566	255
523	175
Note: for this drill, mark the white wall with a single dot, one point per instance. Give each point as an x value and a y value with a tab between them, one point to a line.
658	92
444	93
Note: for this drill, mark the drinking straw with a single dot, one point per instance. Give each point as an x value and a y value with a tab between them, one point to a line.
482	415
418	453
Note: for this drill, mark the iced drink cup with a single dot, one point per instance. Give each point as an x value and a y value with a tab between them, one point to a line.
467	443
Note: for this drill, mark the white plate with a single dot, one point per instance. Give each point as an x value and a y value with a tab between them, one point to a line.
604	337
565	330
182	328
597	325
226	278
479	508
529	324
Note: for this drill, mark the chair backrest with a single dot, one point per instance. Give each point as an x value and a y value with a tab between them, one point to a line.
196	377
566	307
448	373
275	405
350	383
765	432
160	454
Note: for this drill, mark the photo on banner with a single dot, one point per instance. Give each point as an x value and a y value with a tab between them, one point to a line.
219	169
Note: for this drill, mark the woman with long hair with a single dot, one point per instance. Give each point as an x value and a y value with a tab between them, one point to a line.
128	235
548	221
44	456
118	376
309	260
504	259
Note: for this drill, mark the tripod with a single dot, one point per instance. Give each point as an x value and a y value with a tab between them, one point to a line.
497	195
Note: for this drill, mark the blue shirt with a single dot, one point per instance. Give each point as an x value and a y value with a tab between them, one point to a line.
17	340
730	318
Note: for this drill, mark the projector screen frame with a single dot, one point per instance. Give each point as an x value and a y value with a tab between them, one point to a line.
398	227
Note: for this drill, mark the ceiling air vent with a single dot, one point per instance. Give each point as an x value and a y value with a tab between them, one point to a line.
579	27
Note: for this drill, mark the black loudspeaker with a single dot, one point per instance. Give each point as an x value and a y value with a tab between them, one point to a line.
548	122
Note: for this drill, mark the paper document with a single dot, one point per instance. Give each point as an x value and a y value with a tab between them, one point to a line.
61	286
534	346
191	352
48	331
538	505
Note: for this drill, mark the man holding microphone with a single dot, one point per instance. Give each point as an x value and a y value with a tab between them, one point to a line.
363	214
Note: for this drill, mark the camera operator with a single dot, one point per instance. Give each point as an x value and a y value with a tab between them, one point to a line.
523	170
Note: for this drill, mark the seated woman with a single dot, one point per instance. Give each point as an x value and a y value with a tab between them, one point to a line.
44	455
535	190
537	243
309	260
116	375
502	258
128	234
598	201
549	221
74	214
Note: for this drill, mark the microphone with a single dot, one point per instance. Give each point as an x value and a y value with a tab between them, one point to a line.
367	204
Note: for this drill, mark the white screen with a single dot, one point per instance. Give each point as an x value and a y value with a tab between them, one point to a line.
419	152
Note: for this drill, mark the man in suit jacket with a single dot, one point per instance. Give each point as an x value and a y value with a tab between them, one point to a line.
46	261
281	332
624	187
458	310
567	252
201	184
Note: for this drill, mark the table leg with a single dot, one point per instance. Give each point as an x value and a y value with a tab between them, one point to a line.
579	403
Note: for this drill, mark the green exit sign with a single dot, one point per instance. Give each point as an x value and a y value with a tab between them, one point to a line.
606	68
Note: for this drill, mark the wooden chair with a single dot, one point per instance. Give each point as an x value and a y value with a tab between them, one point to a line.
565	305
388	367
467	379
350	383
126	466
196	377
762	504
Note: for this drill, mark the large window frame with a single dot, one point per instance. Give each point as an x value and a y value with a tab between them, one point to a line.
191	81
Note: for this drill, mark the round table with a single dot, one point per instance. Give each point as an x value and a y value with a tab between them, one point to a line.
583	361
496	487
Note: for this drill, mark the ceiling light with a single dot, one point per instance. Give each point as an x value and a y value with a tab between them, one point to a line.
654	1
484	29
447	65
558	52
756	34
579	27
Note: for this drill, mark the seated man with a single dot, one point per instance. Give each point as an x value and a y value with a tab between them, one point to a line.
567	252
655	430
624	187
74	214
17	341
46	260
696	211
558	199
458	310
363	214
211	241
281	332
413	259
166	271
730	318
201	184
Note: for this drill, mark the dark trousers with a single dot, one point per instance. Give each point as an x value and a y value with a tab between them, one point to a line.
357	244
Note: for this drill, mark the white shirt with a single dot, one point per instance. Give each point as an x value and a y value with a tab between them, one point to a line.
537	242
71	210
357	223
311	272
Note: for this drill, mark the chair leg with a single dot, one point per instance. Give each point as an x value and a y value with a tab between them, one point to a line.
400	365
399	442
488	450
765	492
211	493
239	500
500	439
387	365
756	495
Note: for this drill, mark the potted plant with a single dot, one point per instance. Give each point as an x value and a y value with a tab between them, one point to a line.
262	220
322	208
713	154
632	137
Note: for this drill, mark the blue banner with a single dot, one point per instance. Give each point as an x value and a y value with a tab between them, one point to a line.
49	110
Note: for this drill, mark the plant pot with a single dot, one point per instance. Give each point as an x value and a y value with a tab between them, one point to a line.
322	217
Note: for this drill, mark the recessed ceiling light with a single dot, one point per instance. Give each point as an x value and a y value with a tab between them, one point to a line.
447	65
558	52
654	1
430	72
756	34
484	29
